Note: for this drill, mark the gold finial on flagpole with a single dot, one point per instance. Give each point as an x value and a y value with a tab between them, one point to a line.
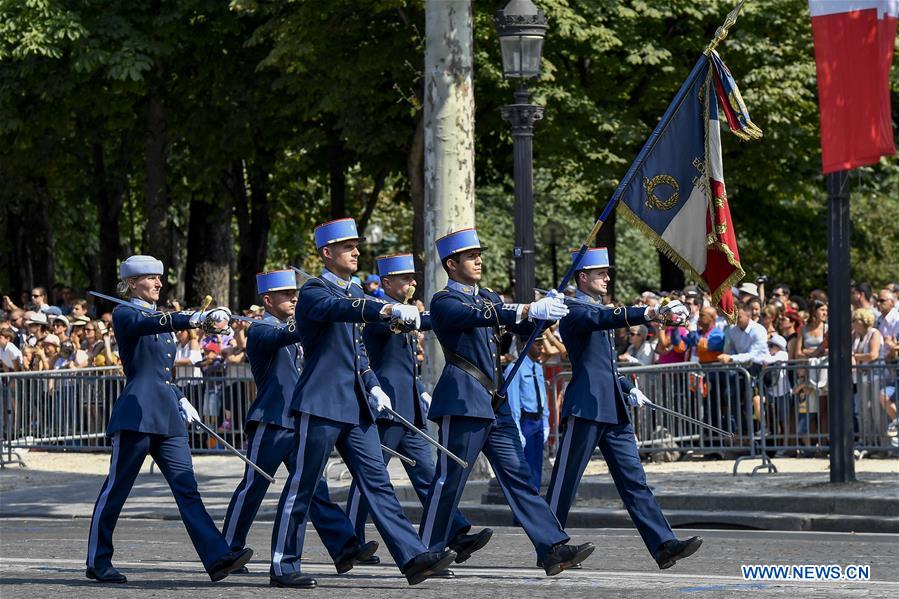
721	32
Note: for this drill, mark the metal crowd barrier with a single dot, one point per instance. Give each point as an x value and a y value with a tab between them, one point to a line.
69	409
796	404
716	394
779	409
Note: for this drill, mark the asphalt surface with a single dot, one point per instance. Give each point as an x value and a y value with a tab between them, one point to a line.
45	558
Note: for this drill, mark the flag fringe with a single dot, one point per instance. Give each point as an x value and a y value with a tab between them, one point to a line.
662	246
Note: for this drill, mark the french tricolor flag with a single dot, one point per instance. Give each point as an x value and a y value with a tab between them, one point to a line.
674	190
854	52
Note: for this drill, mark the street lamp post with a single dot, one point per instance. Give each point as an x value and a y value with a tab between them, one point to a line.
374	235
551	235
521	27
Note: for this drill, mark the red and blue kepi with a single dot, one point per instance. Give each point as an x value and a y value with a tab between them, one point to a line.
460	241
275	280
335	231
396	264
594	258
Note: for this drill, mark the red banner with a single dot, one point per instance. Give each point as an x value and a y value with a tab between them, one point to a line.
854	52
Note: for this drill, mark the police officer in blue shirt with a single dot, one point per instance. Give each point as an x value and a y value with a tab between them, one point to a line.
274	356
149	417
595	409
471	417
393	359
527	404
331	405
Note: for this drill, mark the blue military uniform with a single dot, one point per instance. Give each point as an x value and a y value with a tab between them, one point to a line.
275	358
331	406
146	419
462	317
393	359
595	413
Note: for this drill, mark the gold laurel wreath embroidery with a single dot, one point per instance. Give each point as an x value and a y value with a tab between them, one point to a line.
654	201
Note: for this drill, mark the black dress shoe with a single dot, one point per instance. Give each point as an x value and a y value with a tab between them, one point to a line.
356	554
108	574
464	545
674	550
230	562
427	564
294	580
241	570
444	574
564	557
372	561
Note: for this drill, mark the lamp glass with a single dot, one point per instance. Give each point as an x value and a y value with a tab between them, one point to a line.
521	55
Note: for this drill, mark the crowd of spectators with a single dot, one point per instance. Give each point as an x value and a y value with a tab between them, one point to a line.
62	332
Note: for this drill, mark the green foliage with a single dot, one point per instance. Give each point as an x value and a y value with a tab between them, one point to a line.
292	89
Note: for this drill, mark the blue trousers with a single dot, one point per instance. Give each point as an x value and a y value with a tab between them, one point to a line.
172	455
532	431
619	449
360	448
270	446
399	438
498	439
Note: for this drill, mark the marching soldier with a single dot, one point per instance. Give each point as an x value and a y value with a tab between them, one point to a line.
472	417
149	417
274	358
331	406
595	410
392	357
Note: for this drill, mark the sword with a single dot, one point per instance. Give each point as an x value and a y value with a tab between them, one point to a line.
684	417
234	451
122	302
277	325
427	438
397	454
671	412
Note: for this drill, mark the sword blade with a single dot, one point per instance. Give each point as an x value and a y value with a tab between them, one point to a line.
122	302
398	455
428	438
234	451
686	418
277	325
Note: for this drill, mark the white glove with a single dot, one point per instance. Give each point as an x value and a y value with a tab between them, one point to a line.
674	311
548	308
383	401
188	412
408	314
426	400
637	398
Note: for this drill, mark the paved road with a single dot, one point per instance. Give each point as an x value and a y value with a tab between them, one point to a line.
45	558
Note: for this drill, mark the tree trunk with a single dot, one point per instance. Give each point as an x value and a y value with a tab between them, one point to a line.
157	236
248	185
449	139
415	171
109	199
18	259
370	202
209	249
39	238
672	275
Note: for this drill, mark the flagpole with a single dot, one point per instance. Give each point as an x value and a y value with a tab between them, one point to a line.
720	34
839	368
